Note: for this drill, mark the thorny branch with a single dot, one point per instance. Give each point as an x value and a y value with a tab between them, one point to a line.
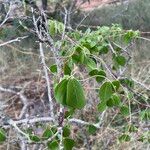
39	33
9	122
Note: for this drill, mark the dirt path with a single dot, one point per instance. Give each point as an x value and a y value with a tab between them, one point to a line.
88	6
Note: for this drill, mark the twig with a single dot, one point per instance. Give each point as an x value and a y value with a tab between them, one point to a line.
143	38
111	48
81	122
143	85
14	40
34	120
13	124
22	97
6	17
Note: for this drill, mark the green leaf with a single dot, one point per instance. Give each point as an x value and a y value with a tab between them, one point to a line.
90	63
116	84
101	106
69	112
81	57
118	49
67	69
92	44
53	145
110	103
103	49
34	138
55	27
78	49
142	138
47	134
131	128
61	91
106	91
100	74
124	138
93	72
86	44
52	27
66	131
75	58
127	82
92	129
53	68
75	94
145	137
54	129
124	110
114	100
145	114
120	60
2	135
60	27
68	144
130	35
94	49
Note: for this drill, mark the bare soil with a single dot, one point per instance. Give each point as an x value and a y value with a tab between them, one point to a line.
92	4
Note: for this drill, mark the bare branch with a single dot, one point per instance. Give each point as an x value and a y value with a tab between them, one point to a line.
39	34
47	80
14	40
